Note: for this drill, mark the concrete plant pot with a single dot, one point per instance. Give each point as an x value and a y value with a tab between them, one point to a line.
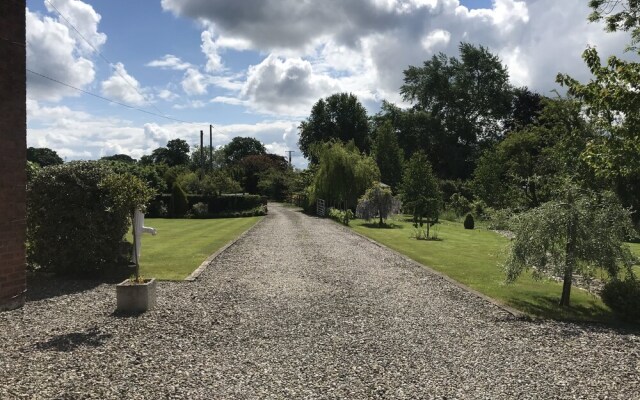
136	297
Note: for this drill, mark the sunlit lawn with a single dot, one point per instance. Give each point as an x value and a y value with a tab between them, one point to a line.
181	245
474	258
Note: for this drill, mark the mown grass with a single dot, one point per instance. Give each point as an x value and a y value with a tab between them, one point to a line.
475	258
181	245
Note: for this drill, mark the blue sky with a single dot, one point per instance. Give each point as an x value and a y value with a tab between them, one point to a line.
255	67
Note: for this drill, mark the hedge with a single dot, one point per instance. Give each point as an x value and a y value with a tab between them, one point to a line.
224	204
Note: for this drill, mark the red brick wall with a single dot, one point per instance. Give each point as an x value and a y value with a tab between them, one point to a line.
12	153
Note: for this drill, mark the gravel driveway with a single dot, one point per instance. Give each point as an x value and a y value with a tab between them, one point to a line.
302	308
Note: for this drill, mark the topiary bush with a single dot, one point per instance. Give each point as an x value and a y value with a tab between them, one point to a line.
179	201
469	223
623	297
77	215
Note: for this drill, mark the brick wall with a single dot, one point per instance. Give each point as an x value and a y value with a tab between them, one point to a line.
12	153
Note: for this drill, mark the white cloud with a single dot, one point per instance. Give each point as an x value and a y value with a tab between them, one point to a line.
52	51
170	61
315	48
84	18
210	49
285	86
194	82
167	95
123	87
436	38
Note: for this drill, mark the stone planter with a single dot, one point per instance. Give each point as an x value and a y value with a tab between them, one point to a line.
136	297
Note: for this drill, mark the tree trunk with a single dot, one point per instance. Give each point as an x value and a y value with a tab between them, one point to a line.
566	287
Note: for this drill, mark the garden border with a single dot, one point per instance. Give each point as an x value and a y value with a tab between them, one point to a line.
203	266
510	310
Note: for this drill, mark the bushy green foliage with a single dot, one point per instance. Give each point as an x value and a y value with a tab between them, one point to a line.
583	233
78	213
179	202
241	147
388	155
499	219
420	190
459	204
340	117
623	297
378	201
343	174
32	170
469	222
200	210
341	216
147	173
43	156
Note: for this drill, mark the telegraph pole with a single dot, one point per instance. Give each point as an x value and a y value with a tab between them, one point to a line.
210	146
289	151
202	151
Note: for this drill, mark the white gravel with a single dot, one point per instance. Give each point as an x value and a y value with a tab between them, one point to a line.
301	308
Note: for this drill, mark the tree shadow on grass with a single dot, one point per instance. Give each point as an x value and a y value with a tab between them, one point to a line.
92	337
588	316
375	225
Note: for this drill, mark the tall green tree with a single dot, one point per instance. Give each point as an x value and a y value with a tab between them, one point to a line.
341	117
175	153
467	97
611	97
388	155
581	233
125	158
343	175
420	190
43	156
241	147
619	15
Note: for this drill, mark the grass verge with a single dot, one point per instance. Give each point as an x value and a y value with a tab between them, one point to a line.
181	245
474	258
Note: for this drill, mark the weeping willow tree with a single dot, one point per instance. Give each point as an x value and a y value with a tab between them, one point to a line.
581	234
343	175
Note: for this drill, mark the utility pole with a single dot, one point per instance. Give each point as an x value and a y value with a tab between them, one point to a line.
202	151
210	147
289	151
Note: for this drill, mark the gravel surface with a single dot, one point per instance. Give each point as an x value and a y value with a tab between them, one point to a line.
302	308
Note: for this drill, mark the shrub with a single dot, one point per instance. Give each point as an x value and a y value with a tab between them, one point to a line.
341	216
623	297
378	201
459	204
179	202
469	223
77	215
499	220
200	210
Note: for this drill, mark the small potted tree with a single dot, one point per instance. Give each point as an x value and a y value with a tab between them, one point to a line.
135	294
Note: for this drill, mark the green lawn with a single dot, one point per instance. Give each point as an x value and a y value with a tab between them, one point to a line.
474	258
181	245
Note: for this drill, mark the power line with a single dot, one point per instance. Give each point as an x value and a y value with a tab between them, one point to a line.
103	57
105	98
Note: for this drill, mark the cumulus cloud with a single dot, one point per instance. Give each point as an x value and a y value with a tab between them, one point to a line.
314	48
194	82
52	50
84	18
123	87
170	61
210	48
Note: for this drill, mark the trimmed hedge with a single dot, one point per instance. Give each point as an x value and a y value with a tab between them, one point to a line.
217	205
